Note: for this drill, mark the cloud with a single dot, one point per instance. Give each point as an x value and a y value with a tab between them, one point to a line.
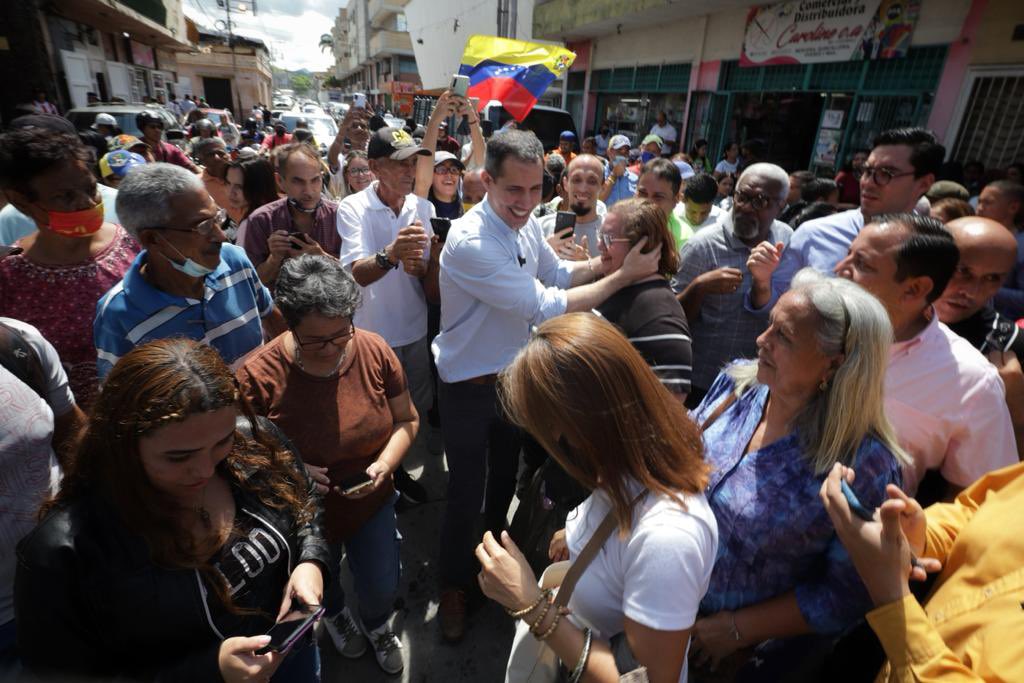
292	35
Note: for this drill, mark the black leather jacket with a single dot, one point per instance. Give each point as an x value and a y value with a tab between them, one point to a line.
90	603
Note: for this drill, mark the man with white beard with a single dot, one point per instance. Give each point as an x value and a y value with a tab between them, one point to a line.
713	276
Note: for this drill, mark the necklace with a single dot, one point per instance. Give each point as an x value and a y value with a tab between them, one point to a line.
298	361
204	514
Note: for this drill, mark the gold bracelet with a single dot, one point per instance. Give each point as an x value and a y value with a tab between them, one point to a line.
518	614
551	629
541	618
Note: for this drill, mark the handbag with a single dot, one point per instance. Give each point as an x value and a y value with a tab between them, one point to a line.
532	660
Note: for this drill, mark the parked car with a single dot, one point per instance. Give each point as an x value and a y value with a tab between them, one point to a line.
323	126
84	117
546	122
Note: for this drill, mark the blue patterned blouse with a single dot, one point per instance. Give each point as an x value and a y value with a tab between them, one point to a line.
774	535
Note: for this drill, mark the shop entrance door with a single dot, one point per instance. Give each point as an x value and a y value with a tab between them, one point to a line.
217	92
785	121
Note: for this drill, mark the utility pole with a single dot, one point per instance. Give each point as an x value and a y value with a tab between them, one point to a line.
241	7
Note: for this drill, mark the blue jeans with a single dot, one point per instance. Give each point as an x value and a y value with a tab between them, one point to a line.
302	664
373	558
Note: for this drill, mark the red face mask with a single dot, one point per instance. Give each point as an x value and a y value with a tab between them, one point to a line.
76	223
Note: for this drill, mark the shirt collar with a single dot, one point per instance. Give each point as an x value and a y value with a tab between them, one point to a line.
377	205
905	347
149	299
497	223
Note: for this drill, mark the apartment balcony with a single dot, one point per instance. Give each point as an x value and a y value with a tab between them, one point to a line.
390	43
382	11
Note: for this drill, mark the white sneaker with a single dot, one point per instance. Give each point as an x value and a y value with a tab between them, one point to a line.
387	647
346	636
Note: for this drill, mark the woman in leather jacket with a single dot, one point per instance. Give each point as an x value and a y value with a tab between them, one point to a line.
177	539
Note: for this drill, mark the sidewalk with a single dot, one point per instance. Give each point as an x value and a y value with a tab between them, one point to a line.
482	654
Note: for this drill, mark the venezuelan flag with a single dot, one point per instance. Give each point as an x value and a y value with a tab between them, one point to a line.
514	72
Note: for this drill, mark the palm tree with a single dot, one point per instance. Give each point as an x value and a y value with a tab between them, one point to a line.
326	42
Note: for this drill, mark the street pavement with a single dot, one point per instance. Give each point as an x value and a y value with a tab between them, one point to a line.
482	654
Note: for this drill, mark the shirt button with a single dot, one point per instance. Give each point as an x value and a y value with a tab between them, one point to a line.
988	592
938	616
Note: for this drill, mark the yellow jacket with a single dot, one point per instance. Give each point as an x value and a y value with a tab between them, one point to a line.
972	625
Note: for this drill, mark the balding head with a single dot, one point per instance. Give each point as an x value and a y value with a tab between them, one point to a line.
582	185
988	252
473	189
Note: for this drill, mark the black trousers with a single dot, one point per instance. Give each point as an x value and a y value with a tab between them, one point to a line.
482	449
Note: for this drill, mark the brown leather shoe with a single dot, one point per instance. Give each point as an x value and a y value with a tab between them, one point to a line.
453	614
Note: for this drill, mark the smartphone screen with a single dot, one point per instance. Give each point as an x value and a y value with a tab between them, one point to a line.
297	237
563	220
441	226
284	634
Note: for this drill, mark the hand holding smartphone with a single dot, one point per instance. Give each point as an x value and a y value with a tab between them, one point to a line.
441	227
563	220
286	633
355	484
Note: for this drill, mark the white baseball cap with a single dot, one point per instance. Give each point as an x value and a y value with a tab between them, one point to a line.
618	141
104	120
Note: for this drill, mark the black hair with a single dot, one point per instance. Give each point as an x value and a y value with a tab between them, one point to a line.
26	153
701	188
521	145
757	148
666	170
695	148
259	187
1014	192
929	250
926	153
817	189
803	176
812	211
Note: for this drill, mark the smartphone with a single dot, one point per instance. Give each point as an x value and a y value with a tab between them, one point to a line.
854	503
563	220
360	101
355	483
6	251
284	634
440	226
300	236
460	85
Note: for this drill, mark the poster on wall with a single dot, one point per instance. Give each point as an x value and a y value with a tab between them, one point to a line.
814	31
826	148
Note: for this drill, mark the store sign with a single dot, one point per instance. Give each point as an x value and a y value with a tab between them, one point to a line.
813	31
142	55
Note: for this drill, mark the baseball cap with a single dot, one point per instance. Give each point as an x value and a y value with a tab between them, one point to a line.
652	138
943	189
119	163
125	141
104	120
393	143
618	141
567	135
441	157
56	124
685	169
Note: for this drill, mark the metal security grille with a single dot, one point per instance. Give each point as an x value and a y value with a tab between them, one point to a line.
992	128
875	113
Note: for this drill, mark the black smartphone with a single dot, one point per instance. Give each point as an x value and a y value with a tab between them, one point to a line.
441	226
355	483
284	634
563	220
300	236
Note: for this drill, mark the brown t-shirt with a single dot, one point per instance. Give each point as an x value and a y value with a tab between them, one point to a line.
341	422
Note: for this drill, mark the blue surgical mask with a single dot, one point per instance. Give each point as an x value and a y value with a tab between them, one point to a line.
189	267
646	156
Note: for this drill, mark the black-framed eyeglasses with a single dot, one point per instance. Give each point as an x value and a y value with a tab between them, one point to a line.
447	170
204	228
757	202
881	175
359	171
321	344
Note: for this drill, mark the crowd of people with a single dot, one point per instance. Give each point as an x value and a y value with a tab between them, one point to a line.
757	410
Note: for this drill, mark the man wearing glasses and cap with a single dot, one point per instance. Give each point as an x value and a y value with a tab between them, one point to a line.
187	282
619	181
900	169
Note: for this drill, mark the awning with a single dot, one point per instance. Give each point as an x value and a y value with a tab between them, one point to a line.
116	17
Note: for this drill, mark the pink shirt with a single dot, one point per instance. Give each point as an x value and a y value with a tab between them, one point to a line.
948	406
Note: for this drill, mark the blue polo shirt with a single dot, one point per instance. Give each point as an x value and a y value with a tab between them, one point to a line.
227	317
624	187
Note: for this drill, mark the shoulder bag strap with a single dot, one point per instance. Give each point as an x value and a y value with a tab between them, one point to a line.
717	412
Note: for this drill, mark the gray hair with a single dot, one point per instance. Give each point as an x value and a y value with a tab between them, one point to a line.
205	145
770	172
315	284
851	407
521	145
146	195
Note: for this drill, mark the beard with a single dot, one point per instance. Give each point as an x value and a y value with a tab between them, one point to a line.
744	227
580	209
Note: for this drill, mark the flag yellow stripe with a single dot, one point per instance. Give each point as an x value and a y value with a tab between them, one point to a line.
517	52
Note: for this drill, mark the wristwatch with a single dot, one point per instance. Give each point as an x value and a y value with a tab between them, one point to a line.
382	260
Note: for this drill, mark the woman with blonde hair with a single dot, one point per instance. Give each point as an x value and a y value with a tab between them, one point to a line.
812	398
588	397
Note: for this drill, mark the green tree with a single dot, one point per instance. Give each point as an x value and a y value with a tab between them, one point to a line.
302	84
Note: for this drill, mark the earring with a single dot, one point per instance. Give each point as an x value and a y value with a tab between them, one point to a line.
823	386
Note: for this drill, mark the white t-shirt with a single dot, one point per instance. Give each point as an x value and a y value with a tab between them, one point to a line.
724	166
591	229
394	306
680	212
668	136
656	577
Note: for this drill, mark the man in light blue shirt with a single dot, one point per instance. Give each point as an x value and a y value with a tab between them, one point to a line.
498	278
900	169
619	182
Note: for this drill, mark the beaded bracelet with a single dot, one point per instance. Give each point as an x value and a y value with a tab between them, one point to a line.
551	629
519	614
541	618
581	664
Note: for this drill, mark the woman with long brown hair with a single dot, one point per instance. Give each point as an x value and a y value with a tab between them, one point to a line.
175	541
588	397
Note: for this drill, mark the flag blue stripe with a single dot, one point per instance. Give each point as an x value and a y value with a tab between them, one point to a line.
534	78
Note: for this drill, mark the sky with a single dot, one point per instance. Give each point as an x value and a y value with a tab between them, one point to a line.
291	28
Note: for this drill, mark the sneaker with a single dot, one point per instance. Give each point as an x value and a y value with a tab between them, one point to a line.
387	648
453	614
412	491
346	636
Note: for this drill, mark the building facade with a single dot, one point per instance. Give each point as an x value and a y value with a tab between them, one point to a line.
234	77
810	111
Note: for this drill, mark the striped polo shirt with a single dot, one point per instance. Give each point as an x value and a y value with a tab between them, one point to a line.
227	317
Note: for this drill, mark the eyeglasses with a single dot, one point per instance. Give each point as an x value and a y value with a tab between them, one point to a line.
204	228
757	202
321	344
359	171
880	175
607	240
447	170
